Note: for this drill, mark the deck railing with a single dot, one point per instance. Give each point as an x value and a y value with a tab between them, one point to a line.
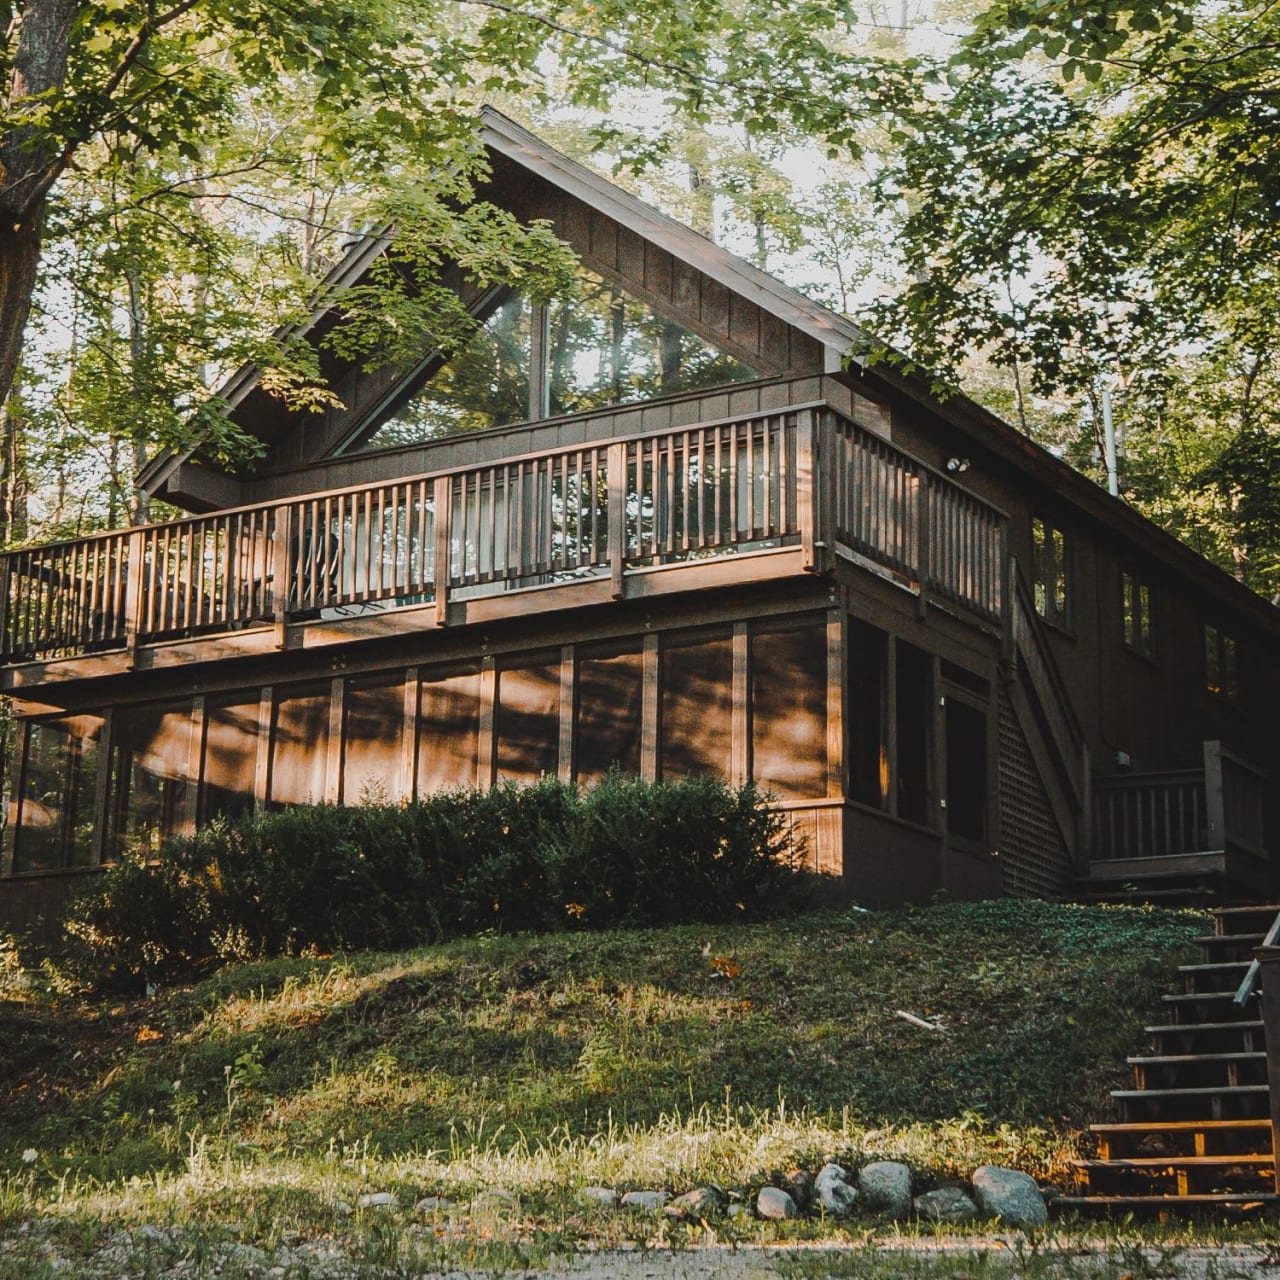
607	509
1215	809
904	516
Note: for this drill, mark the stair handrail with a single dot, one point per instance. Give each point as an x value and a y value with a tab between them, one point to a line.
1245	990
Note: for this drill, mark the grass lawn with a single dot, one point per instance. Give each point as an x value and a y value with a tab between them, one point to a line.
259	1105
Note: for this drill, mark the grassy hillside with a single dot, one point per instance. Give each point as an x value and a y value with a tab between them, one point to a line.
504	1047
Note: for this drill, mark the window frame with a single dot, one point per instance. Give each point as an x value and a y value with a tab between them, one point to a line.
1052	567
1221	660
1137	614
540	374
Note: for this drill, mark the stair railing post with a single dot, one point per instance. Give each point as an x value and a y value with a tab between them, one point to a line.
1214	796
1269	962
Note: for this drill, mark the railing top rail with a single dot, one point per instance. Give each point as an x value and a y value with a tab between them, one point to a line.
918	463
514	460
1245	990
1026	605
1241	763
1132	781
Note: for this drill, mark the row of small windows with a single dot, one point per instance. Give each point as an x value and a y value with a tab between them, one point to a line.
1050	567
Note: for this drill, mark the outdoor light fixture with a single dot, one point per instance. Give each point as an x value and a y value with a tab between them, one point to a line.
957	465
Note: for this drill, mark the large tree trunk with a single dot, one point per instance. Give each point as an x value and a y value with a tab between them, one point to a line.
39	68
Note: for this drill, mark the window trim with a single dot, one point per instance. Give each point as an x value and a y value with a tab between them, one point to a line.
1047	566
1225	652
1137	615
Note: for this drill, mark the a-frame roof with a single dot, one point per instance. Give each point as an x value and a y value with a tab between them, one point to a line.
838	336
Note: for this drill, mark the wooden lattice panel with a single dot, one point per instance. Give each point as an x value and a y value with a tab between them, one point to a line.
1035	858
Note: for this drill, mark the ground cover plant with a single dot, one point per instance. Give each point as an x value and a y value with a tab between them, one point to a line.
661	1054
238	1124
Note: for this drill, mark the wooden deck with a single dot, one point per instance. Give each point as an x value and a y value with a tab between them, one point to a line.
726	502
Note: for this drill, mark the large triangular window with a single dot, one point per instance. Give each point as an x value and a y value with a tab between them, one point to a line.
602	346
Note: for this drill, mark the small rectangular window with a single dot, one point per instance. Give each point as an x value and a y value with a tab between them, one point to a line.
1135	607
1049	570
1221	667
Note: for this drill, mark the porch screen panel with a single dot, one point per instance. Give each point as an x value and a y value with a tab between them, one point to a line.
527	720
373	713
610	694
448	731
915	708
869	770
789	711
299	745
230	758
148	786
966	770
697	707
59	783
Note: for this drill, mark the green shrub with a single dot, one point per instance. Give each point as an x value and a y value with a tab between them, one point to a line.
546	856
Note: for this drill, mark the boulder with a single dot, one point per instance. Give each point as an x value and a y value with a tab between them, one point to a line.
599	1197
1009	1195
836	1198
379	1200
648	1201
702	1202
775	1204
495	1203
884	1188
432	1204
946	1204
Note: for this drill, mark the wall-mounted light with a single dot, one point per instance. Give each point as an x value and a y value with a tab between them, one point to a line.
957	465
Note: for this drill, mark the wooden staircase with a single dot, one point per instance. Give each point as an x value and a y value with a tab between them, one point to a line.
1195	1131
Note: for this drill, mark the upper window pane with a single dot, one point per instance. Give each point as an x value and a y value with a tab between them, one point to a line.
485	385
606	347
598	347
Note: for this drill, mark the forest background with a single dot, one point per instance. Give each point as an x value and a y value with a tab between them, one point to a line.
1055	204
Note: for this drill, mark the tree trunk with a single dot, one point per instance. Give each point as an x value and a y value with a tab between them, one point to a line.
27	159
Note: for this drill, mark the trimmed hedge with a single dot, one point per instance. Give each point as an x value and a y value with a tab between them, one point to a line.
547	856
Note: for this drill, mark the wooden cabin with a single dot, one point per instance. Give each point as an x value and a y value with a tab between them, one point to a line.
662	526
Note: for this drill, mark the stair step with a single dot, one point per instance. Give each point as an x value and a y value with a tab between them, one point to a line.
1194	1059
1167	1162
1203	1200
1235	1090
1261	915
1208	940
1183	1028
1176	1126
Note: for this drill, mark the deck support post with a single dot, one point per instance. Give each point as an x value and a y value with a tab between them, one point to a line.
442	501
617	524
280	571
133	593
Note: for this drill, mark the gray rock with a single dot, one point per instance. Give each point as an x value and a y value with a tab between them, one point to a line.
702	1202
775	1204
599	1197
836	1197
884	1188
432	1204
1010	1196
647	1201
831	1171
379	1200
946	1204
